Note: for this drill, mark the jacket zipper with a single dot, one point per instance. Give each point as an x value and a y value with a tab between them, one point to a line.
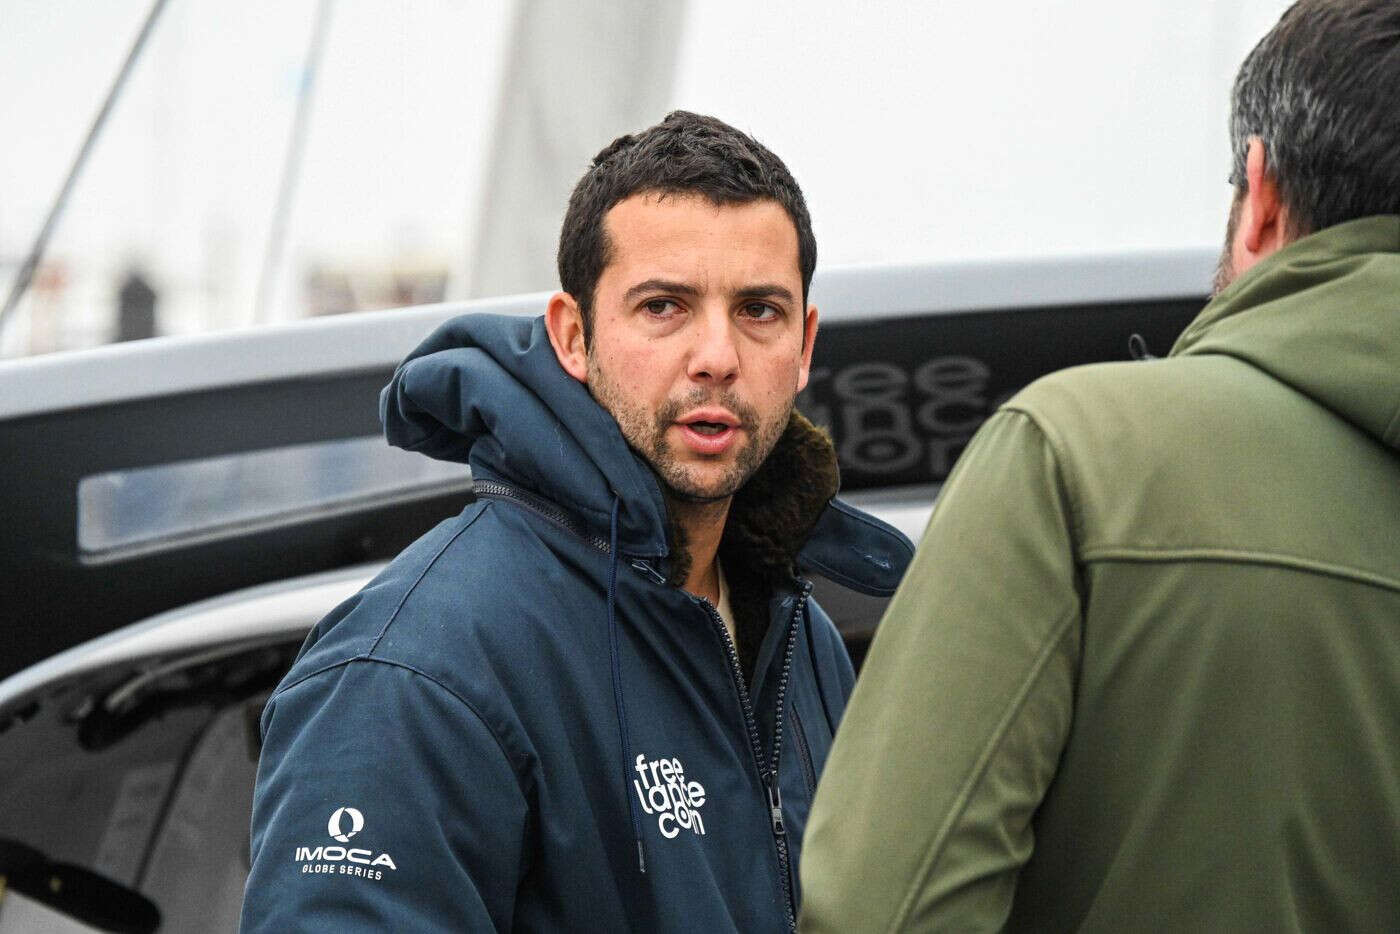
768	768
768	772
490	489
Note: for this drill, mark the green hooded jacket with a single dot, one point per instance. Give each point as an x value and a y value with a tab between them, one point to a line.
1144	672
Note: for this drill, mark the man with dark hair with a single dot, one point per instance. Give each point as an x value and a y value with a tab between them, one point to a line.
600	697
687	154
1144	673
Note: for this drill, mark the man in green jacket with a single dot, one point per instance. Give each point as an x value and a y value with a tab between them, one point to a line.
1144	673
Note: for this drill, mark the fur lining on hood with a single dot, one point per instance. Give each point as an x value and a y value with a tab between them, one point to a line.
772	515
770	519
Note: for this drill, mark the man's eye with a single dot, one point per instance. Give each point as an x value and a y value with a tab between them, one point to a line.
761	311
660	307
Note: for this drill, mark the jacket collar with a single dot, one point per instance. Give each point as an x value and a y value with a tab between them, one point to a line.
1321	315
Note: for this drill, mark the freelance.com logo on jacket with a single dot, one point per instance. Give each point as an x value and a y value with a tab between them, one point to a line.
665	793
344	824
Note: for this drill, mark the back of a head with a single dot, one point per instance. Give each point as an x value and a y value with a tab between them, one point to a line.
684	154
1321	91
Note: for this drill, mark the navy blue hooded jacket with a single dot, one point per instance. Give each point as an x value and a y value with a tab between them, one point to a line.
520	723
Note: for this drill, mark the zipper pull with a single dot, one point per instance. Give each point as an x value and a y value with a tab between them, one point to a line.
775	804
646	568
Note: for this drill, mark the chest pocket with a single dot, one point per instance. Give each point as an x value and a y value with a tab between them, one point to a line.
809	716
811	713
802	749
806	745
809	743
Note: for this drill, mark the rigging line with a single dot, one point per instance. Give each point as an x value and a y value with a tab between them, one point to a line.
291	166
41	242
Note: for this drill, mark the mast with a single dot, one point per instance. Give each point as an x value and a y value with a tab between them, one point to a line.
576	76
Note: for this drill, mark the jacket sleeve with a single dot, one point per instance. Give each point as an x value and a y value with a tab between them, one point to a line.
383	803
923	816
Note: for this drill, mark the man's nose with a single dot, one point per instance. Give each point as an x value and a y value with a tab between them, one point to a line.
714	358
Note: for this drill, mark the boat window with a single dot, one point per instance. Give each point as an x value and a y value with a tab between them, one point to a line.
157	506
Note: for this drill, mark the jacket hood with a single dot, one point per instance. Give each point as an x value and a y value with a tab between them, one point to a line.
1323	316
487	390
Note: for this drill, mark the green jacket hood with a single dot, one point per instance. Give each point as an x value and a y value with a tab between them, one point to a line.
1323	316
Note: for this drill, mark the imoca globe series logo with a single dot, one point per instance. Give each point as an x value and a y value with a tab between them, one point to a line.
344	823
336	830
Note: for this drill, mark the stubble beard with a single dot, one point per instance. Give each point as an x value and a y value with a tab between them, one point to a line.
646	433
1225	266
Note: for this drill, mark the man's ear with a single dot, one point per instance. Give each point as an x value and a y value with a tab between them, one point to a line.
1263	225
564	322
809	340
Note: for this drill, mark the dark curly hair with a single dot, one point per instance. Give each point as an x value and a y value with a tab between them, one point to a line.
685	154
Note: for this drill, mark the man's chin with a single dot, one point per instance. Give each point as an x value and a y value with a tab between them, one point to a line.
685	487
695	492
697	497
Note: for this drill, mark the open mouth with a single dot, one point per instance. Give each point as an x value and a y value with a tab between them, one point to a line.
710	436
708	428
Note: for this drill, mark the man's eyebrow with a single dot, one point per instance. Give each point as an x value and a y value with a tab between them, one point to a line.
659	285
765	290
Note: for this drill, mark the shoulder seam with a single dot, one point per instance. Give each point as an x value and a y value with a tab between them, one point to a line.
1068	497
421	574
1241	556
393	663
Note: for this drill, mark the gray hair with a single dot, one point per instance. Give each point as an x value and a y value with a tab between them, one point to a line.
1322	91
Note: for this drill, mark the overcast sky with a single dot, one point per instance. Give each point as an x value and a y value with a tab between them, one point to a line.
919	131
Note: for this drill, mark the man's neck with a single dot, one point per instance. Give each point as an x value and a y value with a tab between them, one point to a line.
703	524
